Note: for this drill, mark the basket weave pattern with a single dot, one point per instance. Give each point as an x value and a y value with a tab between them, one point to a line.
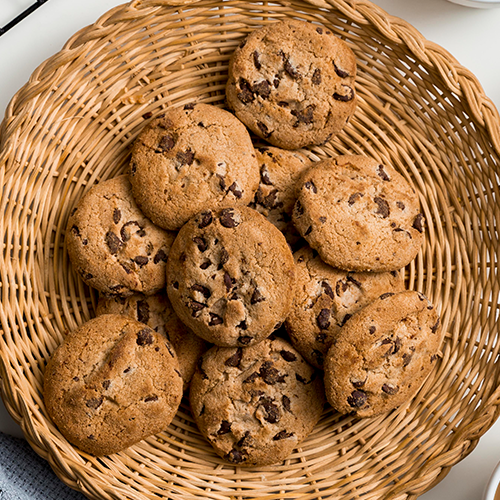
72	125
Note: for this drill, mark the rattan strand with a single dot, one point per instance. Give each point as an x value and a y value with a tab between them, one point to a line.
72	124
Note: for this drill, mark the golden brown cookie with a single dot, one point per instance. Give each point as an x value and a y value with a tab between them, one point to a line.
383	354
359	215
231	276
326	297
256	404
111	243
111	383
292	83
198	157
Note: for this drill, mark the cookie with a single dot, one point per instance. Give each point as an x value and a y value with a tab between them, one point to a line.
157	312
292	83
326	298
231	276
255	404
280	171
196	157
112	245
359	215
383	354
111	383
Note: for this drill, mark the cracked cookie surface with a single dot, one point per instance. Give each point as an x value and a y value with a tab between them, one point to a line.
359	215
292	83
231	276
383	354
193	158
256	404
112	382
111	243
157	312
326	297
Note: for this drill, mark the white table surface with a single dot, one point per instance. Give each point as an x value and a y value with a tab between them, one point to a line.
471	35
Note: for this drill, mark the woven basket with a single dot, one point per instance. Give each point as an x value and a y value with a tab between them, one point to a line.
72	125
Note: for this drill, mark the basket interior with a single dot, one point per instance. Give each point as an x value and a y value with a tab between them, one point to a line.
72	126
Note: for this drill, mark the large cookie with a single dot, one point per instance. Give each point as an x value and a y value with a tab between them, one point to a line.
111	383
157	312
292	83
359	215
231	276
256	404
280	171
197	157
326	297
112	244
383	354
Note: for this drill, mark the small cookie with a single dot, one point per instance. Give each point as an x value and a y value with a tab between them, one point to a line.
112	245
198	157
256	404
383	354
326	298
280	171
111	383
292	83
359	215
231	276
157	312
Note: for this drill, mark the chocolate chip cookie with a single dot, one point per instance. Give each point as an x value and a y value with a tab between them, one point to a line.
196	157
157	312
231	276
292	83
383	354
111	243
256	404
111	383
280	171
326	298
359	215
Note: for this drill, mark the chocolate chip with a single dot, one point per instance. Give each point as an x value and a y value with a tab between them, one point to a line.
304	116
245	441
142	311
113	241
282	435
340	72
224	428
341	287
125	230
245	339
276	81
319	30
354	198
224	257
242	325
383	207
117	215
283	104
196	307
256	61
308	231
205	265
344	97
328	289
285	400
235	359
167	142
321	338
271	375
272	411
141	260
215	320
106	384
246	95
418	223
287	355
264	176
251	378
407	358
263	89
345	318
222	182
357	399
390	389
256	297
190	105
235	457
151	398
94	403
302	380
382	173
226	218
200	243
433	358
160	256
386	295
354	281
126	268
206	219
435	327
311	186
145	337
202	289
316	77
235	190
186	157
264	129
397	345
358	383
298	208
323	319
75	231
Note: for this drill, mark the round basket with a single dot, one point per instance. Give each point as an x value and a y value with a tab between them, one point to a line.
72	125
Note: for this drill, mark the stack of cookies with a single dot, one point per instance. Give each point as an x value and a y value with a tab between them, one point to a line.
258	282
